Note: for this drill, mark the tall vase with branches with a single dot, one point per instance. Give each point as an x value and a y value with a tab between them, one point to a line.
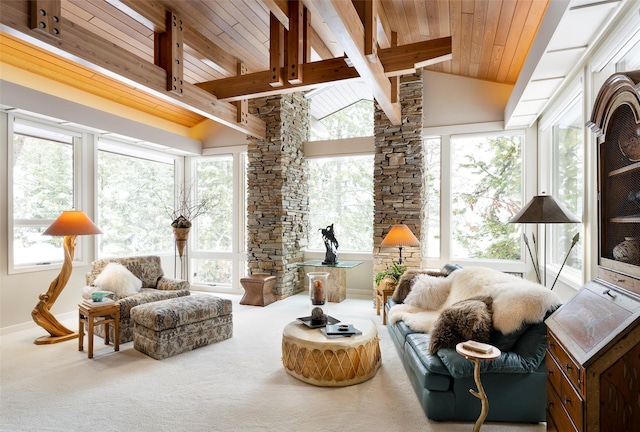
185	211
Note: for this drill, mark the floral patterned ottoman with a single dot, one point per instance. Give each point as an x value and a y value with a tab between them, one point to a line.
168	327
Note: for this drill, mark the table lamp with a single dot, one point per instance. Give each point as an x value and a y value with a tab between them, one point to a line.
544	209
400	236
69	224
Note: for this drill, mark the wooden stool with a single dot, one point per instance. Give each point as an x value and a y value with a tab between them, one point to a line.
258	289
98	315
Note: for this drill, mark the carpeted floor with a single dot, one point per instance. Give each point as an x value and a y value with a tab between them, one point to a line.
235	385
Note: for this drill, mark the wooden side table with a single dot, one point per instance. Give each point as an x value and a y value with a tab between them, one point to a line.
382	294
475	357
98	315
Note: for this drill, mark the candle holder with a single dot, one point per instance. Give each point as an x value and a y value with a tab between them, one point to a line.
318	296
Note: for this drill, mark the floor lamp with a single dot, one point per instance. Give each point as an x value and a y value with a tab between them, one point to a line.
69	224
545	209
400	236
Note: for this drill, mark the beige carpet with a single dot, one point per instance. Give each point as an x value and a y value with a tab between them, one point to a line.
235	385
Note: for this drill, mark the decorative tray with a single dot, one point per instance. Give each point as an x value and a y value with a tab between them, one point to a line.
307	321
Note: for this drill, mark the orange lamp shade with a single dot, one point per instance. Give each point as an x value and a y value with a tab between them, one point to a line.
72	222
400	235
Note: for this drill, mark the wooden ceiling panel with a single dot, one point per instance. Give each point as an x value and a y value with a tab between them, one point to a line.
490	40
37	60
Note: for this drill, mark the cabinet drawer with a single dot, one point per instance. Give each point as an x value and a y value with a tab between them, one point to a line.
554	375
557	418
571	369
572	403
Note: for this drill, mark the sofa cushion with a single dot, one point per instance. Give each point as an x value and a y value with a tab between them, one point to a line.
462	321
169	314
419	342
119	280
526	356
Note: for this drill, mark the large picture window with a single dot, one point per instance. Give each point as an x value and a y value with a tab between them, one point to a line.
486	191
341	193
219	243
43	187
133	195
215	227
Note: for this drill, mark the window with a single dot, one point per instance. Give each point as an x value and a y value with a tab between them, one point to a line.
568	156
341	193
431	232
135	197
474	185
356	120
43	187
219	245
486	190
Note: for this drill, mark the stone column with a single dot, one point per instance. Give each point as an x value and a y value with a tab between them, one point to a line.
398	175
277	201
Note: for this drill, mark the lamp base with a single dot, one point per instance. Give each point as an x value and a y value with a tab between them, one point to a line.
46	340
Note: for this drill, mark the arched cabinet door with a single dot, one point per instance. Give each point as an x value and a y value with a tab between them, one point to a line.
616	122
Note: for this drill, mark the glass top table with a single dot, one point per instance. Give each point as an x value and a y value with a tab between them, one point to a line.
339	264
337	284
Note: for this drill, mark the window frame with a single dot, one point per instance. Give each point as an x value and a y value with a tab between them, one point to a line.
572	92
529	166
311	229
238	253
129	149
80	141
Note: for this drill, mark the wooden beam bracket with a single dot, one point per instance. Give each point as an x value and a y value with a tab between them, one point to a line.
295	42
242	106
44	17
169	53
277	51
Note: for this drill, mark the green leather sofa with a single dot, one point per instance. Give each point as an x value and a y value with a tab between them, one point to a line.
515	383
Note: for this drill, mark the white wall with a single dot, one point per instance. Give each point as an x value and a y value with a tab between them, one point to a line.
454	100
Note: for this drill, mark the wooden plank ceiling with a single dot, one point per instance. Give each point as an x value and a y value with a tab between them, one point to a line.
115	48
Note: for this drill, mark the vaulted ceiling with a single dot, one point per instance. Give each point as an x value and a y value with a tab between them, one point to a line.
185	61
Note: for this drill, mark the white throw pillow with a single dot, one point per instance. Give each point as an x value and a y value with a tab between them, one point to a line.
119	280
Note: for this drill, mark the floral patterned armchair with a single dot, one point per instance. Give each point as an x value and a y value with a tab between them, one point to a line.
154	287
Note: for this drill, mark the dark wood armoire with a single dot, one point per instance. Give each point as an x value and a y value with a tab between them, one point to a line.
593	355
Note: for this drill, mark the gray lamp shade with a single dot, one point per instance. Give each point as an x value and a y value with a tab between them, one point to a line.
544	209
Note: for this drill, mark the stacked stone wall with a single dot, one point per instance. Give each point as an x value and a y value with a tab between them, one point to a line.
398	175
277	202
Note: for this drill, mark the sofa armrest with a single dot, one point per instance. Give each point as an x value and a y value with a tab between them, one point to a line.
526	356
165	283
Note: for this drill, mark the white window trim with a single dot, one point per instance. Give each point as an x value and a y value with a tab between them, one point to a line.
559	107
529	181
238	254
80	142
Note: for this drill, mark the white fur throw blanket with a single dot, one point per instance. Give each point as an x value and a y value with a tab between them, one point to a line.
516	301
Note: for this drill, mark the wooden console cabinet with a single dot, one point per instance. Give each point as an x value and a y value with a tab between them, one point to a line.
593	355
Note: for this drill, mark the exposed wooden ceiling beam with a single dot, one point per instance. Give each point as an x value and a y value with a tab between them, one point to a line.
152	15
404	59
257	84
396	61
86	48
343	21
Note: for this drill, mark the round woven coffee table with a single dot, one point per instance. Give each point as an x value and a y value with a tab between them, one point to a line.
314	358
